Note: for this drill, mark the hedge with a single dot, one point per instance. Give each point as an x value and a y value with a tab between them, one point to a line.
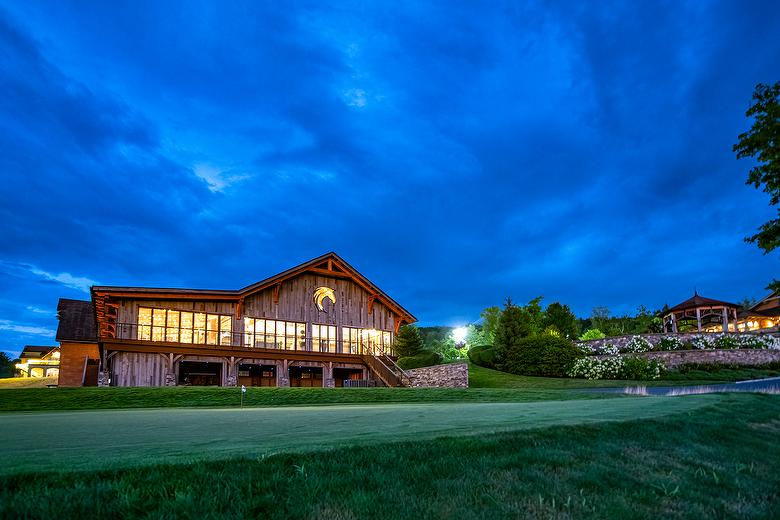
424	359
541	356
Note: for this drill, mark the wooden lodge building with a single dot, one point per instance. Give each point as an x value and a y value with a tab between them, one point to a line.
321	323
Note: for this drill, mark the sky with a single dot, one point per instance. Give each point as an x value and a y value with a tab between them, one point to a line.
455	153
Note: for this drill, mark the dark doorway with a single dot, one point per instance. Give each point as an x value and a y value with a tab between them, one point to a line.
200	374
257	375
305	376
341	374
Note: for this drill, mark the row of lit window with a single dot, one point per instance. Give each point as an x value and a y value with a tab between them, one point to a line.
184	327
216	329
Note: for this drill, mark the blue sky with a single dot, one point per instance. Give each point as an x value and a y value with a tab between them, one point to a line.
455	154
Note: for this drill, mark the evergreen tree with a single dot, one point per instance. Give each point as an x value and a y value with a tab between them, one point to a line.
562	319
7	365
408	342
513	325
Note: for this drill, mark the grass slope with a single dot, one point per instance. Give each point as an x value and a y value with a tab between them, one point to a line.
119	438
481	377
717	462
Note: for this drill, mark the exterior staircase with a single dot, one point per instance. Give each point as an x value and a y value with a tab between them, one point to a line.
387	370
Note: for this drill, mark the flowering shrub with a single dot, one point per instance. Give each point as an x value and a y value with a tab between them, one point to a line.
637	344
616	367
727	342
592	349
702	343
670	343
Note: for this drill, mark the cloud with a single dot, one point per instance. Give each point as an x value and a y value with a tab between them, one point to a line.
36	310
68	280
26	329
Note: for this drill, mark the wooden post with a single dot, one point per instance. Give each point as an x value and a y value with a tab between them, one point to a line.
725	320
674	324
698	318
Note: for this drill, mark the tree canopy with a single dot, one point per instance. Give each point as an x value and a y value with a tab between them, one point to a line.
762	143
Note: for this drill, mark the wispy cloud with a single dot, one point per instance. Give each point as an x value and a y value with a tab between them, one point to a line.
217	179
26	329
37	310
80	283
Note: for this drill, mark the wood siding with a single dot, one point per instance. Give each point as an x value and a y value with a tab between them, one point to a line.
296	303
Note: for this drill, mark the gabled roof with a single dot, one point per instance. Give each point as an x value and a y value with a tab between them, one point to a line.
77	321
35	351
700	301
329	264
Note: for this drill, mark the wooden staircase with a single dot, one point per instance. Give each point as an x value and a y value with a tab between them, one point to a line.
387	370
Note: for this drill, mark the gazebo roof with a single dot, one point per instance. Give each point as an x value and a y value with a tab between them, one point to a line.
700	301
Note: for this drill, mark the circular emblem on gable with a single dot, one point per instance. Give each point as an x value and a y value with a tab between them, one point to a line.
320	293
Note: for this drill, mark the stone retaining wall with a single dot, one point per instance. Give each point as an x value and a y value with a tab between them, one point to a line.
673	359
452	375
654	339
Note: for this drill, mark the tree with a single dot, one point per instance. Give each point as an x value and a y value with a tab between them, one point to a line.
7	367
513	326
762	142
490	318
408	342
599	317
562	319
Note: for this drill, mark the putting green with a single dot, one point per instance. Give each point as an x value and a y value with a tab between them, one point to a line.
68	441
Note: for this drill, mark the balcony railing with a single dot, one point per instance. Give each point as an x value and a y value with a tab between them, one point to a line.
216	339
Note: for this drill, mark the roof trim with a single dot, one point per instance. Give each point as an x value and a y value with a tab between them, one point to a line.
235	295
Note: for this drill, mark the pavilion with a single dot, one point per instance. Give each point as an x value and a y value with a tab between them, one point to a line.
707	313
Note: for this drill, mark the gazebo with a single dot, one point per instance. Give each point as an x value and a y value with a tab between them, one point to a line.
704	311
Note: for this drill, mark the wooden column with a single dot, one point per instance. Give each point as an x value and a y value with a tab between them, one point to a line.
698	319
674	324
725	320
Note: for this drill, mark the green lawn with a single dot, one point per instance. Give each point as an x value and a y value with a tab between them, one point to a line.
480	377
712	461
117	438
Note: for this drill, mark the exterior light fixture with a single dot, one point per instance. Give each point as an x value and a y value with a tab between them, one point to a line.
459	335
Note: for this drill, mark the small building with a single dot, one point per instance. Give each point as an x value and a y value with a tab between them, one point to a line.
321	323
763	316
706	314
39	361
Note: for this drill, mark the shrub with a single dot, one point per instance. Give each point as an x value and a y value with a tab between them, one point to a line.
641	368
726	342
592	334
482	356
540	356
701	343
424	359
670	343
637	344
616	367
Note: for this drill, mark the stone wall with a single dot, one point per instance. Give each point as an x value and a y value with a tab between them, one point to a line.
452	375
654	339
730	357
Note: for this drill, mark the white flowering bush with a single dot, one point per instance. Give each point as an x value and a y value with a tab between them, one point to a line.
637	344
701	342
616	367
670	343
593	349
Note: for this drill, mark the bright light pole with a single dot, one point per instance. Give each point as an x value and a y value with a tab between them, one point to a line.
459	336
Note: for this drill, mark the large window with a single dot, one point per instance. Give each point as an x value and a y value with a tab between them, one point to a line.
323	338
184	326
262	333
366	341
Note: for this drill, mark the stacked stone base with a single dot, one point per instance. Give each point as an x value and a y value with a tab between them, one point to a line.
453	375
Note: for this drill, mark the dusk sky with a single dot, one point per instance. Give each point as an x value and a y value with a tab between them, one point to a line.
455	155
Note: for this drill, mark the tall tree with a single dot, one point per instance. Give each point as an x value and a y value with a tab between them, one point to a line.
513	325
762	143
490	317
561	317
408	342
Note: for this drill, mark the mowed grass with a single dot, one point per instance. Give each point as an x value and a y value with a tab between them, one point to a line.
42	399
27	382
717	461
118	438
